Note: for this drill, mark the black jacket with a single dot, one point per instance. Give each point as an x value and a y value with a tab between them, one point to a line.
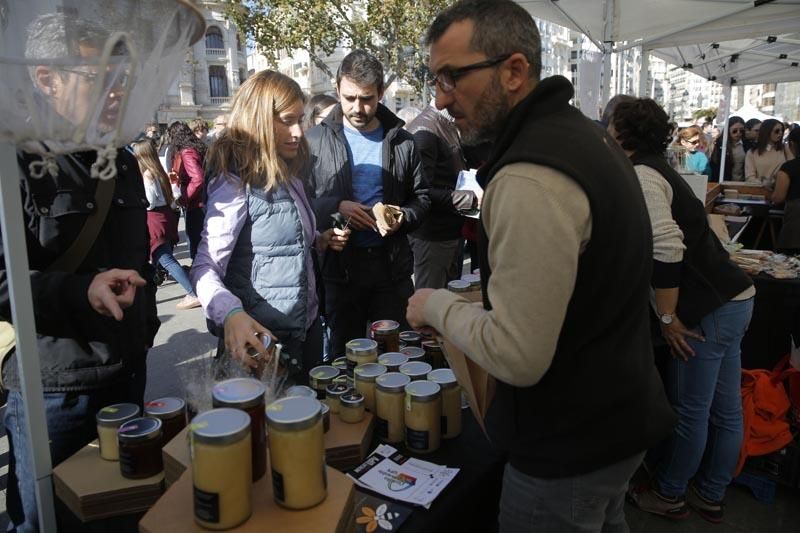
438	143
601	401
404	185
80	349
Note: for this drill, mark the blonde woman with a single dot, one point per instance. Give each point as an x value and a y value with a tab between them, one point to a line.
162	223
255	270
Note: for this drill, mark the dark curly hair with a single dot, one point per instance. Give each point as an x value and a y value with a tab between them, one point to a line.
181	136
642	126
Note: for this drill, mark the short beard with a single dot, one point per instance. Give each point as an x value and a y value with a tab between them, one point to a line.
490	114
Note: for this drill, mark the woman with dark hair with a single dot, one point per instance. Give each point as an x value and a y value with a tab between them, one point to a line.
187	163
764	160
318	108
787	189
704	303
735	153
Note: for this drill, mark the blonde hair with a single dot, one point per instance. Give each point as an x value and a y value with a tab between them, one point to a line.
247	147
146	155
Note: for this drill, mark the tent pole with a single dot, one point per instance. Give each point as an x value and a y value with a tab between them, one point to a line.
606	76
643	72
725	130
27	352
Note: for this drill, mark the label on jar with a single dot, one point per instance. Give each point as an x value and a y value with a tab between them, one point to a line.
382	427
277	485
417	440
444	425
206	506
127	461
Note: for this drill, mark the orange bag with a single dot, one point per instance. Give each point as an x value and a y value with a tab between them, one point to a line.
790	376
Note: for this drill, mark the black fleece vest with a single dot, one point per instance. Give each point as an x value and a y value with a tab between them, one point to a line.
708	278
601	401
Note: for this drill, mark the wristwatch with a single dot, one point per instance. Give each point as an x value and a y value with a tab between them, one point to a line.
666	318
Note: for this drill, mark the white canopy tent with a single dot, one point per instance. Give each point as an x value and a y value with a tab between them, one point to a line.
748	112
729	41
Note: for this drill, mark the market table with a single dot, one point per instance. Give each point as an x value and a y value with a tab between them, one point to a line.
776	314
470	501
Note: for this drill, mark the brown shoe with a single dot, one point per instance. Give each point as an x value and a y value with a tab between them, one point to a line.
188	302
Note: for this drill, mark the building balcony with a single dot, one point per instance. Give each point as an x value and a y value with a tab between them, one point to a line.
220	100
217	53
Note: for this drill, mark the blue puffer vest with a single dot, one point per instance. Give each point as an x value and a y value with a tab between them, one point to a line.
267	270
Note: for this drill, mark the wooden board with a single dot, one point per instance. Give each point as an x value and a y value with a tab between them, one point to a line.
174	512
94	488
346	446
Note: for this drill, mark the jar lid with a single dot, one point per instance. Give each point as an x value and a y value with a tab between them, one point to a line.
474	280
301	390
392	382
140	429
444	377
266	340
334	390
458	285
393	359
416	368
324	373
352	399
117	414
369	371
413	352
423	391
220	426
340	363
341	379
410	337
294	413
165	408
384	326
431	346
357	346
240	393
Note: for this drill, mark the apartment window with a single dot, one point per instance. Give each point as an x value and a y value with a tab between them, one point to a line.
217	81
242	75
238	43
214	38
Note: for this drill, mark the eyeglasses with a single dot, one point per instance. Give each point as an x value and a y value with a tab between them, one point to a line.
778	130
693	142
446	78
111	77
737	130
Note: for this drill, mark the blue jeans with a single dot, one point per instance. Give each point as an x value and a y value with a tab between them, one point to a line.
589	503
163	256
705	391
71	426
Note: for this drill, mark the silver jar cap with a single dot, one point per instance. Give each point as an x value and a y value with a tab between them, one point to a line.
165	408
139	429
444	377
340	363
423	391
393	359
351	399
384	326
240	393
324	374
334	390
411	337
431	346
392	382
293	413
474	280
301	390
220	426
369	371
413	352
117	414
458	285
416	369
358	346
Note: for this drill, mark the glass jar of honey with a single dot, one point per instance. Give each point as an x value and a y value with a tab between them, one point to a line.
360	352
297	452
393	360
301	390
415	353
321	376
351	407
109	419
247	394
171	412
140	448
451	401
433	351
423	416
365	382
332	394
458	285
222	468
411	338
326	417
387	334
416	370
389	410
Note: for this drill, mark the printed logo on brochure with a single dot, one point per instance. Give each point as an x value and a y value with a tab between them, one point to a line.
400	482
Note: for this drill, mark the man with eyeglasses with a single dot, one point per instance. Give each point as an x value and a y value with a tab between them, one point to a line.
361	155
94	321
565	250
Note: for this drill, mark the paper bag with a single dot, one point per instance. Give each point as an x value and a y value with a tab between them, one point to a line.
386	216
477	384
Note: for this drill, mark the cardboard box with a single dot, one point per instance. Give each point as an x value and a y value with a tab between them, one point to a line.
94	488
346	446
174	512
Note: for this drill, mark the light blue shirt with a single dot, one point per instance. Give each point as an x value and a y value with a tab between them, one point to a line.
365	151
